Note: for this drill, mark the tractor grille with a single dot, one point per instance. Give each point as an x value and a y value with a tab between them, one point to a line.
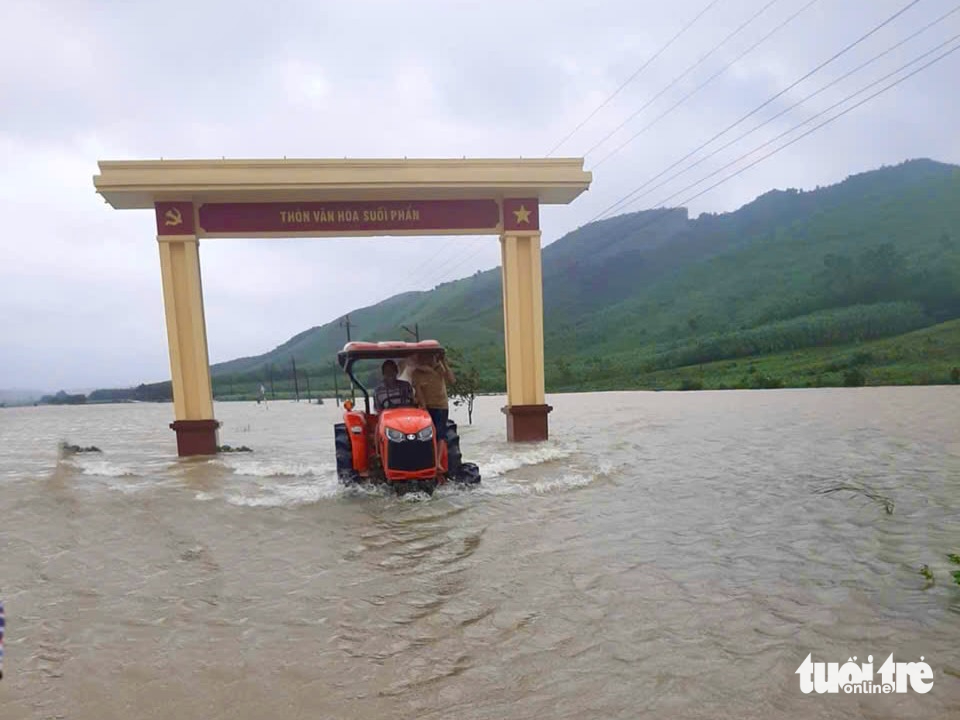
410	455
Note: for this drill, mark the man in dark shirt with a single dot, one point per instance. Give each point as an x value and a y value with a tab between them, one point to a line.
392	392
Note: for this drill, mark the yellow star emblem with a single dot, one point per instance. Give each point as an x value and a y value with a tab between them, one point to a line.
523	215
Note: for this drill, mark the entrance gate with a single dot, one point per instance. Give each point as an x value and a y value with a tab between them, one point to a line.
195	199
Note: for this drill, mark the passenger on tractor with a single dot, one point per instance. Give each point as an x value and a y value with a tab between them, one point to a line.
392	392
430	376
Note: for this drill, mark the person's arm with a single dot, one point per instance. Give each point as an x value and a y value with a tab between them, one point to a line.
447	372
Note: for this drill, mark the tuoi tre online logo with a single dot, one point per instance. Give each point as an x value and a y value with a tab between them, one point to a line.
852	678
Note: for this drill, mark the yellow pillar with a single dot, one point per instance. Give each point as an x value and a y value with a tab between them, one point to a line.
194	424
526	410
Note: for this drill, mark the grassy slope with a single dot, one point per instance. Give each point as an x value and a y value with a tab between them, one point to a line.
921	357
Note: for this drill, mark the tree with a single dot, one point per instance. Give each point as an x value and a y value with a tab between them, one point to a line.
63	398
463	390
564	373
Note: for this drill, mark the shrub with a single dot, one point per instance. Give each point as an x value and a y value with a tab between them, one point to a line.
854	377
766	382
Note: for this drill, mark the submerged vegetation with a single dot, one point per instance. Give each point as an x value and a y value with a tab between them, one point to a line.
928	574
229	449
69	449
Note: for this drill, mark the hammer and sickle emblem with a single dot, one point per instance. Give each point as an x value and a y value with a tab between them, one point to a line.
173	217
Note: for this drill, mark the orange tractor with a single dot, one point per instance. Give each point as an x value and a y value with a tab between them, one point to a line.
398	445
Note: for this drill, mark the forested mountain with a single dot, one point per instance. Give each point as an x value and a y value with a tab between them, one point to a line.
874	256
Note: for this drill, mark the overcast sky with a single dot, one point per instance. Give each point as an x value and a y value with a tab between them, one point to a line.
80	295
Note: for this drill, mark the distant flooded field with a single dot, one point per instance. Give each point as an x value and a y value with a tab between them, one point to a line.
668	555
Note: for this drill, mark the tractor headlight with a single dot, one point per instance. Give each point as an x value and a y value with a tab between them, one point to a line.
426	433
394	435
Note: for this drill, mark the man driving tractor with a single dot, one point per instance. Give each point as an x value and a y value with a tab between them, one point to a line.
392	392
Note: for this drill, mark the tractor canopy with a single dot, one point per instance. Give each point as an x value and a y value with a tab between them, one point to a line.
387	350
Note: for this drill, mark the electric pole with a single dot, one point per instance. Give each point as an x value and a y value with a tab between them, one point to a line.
296	384
336	387
345	322
415	332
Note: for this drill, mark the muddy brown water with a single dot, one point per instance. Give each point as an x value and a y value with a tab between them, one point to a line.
668	555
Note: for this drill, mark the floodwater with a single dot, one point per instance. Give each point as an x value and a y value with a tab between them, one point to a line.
664	555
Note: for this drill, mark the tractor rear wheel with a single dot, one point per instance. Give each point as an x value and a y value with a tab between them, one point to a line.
345	470
458	471
454	458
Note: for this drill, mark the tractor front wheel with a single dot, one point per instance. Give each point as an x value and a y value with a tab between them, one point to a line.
345	470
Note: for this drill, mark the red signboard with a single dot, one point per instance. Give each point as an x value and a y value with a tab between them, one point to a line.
174	218
374	216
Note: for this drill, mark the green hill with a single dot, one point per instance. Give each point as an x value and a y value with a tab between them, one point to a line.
875	256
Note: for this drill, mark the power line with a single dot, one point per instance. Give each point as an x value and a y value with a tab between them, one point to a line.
446	264
435	271
665	211
678	78
416	275
825	122
784	111
417	271
823	112
702	85
466	260
634	76
450	269
453	268
777	95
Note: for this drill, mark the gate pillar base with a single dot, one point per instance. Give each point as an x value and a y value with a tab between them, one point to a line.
196	437
526	422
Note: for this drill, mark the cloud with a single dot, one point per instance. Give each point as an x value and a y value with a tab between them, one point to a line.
80	282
